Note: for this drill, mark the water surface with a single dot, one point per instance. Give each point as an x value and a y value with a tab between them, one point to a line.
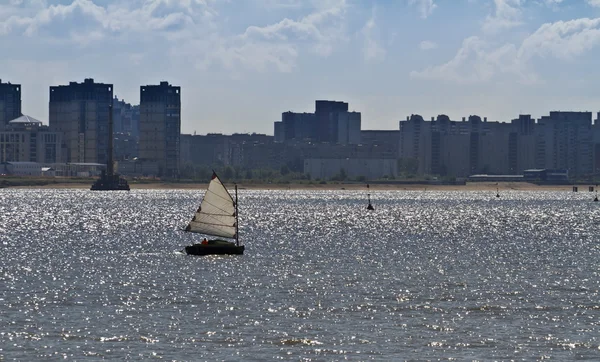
426	276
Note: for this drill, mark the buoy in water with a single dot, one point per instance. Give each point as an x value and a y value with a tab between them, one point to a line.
369	207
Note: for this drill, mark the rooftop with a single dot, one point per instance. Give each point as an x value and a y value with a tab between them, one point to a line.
25	119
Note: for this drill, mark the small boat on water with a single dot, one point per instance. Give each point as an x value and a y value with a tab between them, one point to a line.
216	216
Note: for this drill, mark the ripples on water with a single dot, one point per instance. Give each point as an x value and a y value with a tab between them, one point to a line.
427	275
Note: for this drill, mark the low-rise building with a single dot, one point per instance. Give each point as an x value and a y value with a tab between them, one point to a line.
26	139
138	168
22	168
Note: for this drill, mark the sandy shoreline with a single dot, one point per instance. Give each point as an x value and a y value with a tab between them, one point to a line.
473	186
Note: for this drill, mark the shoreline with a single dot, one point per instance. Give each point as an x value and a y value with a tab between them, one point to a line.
35	183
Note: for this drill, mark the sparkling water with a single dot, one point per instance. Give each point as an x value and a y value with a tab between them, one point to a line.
428	275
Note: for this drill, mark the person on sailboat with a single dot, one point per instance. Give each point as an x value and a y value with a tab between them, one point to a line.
204	242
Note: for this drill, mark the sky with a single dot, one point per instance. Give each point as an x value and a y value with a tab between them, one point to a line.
241	63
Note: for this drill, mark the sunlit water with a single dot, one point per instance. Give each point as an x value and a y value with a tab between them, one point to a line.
426	276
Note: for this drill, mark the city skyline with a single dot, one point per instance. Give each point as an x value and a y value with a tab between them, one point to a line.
241	65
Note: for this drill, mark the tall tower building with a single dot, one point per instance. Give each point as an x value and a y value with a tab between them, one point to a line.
160	126
327	113
10	103
81	112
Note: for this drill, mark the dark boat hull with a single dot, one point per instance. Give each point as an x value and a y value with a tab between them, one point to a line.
109	188
110	183
199	249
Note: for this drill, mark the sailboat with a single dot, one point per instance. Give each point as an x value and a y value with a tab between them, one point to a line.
216	216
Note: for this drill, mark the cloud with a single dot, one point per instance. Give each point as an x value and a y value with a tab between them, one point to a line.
563	39
507	15
479	61
182	27
427	45
318	28
372	50
476	62
594	3
425	7
281	4
152	15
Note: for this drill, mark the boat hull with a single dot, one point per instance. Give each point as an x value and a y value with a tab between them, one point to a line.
200	249
110	183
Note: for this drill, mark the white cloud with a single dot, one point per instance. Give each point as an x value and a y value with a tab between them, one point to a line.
562	39
189	27
111	19
318	28
479	61
372	49
427	45
595	3
475	62
281	4
425	7
507	15
553	4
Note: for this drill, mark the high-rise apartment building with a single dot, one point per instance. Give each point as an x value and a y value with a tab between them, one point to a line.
450	148
298	126
126	117
565	141
10	103
327	113
160	127
81	112
126	120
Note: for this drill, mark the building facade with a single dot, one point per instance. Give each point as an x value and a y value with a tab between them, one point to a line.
126	134
381	139
565	141
80	111
331	123
126	118
353	168
10	103
561	140
238	150
471	146
160	127
25	139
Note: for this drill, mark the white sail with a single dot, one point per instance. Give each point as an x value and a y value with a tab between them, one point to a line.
216	214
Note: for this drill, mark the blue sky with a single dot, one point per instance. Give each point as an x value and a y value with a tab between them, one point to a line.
241	63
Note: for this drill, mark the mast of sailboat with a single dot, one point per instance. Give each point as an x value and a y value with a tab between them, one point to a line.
237	232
